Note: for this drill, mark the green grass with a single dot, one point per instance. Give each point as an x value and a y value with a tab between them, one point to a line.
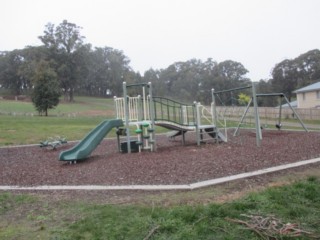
80	104
9	201
19	130
296	203
20	123
29	130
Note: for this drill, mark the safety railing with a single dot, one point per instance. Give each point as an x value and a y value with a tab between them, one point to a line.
119	108
169	110
134	107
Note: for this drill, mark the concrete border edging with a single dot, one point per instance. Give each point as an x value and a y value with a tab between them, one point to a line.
191	186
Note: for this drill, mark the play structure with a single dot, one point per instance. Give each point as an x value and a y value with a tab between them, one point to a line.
144	112
136	118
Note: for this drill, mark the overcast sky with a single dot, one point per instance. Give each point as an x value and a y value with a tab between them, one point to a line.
157	33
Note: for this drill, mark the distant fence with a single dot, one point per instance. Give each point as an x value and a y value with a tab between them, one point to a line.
271	113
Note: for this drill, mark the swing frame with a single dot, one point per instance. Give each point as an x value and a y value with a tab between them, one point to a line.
278	125
255	104
256	112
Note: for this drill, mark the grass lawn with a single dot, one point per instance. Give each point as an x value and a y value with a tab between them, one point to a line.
26	216
81	104
29	130
21	125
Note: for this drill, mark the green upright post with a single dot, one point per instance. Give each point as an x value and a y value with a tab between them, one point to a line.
296	114
140	114
256	116
152	116
280	112
126	109
214	113
197	123
242	117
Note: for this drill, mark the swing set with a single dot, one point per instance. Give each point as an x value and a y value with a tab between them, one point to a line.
253	102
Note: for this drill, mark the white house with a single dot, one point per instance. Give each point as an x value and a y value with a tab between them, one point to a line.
309	96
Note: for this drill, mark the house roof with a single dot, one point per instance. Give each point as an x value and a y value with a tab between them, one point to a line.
312	87
293	104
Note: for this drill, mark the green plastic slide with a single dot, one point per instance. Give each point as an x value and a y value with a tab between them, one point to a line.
84	148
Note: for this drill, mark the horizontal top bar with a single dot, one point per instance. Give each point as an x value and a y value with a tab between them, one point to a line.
232	89
270	94
138	84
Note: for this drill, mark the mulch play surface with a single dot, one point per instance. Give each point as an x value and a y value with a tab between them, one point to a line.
172	163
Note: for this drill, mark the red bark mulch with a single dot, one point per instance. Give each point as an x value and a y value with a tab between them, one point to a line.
172	163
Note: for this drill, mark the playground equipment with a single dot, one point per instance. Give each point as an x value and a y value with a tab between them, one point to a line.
144	112
53	142
253	101
136	111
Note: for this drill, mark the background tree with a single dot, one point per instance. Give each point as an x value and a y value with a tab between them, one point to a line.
106	68
153	76
207	81
10	76
284	77
227	75
193	80
119	70
308	67
63	43
186	80
46	90
291	74
264	86
99	71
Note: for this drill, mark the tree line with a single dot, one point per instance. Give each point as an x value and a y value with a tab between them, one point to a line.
65	65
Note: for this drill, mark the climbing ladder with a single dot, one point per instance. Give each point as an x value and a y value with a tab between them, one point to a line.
136	111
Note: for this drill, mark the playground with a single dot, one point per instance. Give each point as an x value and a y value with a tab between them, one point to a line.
196	150
44	194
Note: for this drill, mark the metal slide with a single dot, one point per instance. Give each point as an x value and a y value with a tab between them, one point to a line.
85	147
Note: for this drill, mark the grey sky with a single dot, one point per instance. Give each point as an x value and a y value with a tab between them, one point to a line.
157	33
